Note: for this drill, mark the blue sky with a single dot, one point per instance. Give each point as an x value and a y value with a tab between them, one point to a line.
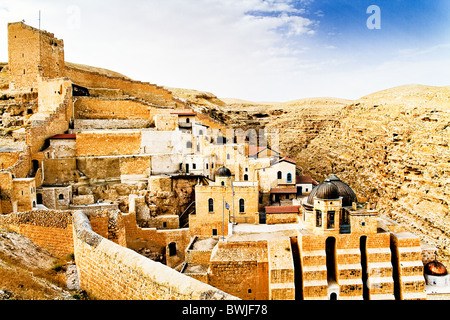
260	50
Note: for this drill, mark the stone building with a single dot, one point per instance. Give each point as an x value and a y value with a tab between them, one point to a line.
223	202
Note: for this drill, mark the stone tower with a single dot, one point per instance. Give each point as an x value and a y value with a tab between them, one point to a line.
33	53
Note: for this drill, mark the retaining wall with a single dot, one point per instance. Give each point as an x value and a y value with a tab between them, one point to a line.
126	274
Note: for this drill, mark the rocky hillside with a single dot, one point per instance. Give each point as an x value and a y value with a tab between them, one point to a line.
29	272
391	146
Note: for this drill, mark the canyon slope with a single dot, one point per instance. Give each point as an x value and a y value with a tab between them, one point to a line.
391	147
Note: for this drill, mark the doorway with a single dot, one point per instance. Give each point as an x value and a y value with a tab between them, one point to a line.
362	246
330	250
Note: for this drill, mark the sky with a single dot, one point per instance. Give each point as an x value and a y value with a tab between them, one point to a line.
258	50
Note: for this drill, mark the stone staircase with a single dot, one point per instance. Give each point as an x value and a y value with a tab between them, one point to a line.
379	274
349	272
314	270
408	266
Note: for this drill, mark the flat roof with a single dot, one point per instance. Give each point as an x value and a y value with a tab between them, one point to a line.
184	113
65	136
282	209
284	190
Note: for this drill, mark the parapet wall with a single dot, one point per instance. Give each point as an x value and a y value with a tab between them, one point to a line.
127	274
143	90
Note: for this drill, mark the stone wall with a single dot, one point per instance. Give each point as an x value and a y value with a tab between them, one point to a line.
146	91
128	275
240	268
49	229
108	108
108	143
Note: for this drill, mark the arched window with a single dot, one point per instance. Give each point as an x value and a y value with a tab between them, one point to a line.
188	120
61	196
279	175
241	205
210	205
289	177
245	177
188	144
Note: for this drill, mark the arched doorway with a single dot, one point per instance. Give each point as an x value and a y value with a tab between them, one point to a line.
331	264
330	250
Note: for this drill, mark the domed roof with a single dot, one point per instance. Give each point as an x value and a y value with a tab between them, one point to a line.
435	268
223	172
324	190
327	190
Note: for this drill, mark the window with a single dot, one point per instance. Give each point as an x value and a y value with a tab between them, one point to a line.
188	120
210	205
188	144
245	177
164	224
289	177
214	232
222	183
194	166
279	175
318	218
228	156
330	219
206	166
61	196
241	206
200	132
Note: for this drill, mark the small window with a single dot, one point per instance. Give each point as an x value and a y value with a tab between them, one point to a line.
279	175
228	156
241	206
188	120
289	177
210	205
318	218
188	144
61	196
249	291
207	166
245	177
194	166
164	224
222	183
214	232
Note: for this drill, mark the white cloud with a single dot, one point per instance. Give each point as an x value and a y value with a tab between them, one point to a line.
250	49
